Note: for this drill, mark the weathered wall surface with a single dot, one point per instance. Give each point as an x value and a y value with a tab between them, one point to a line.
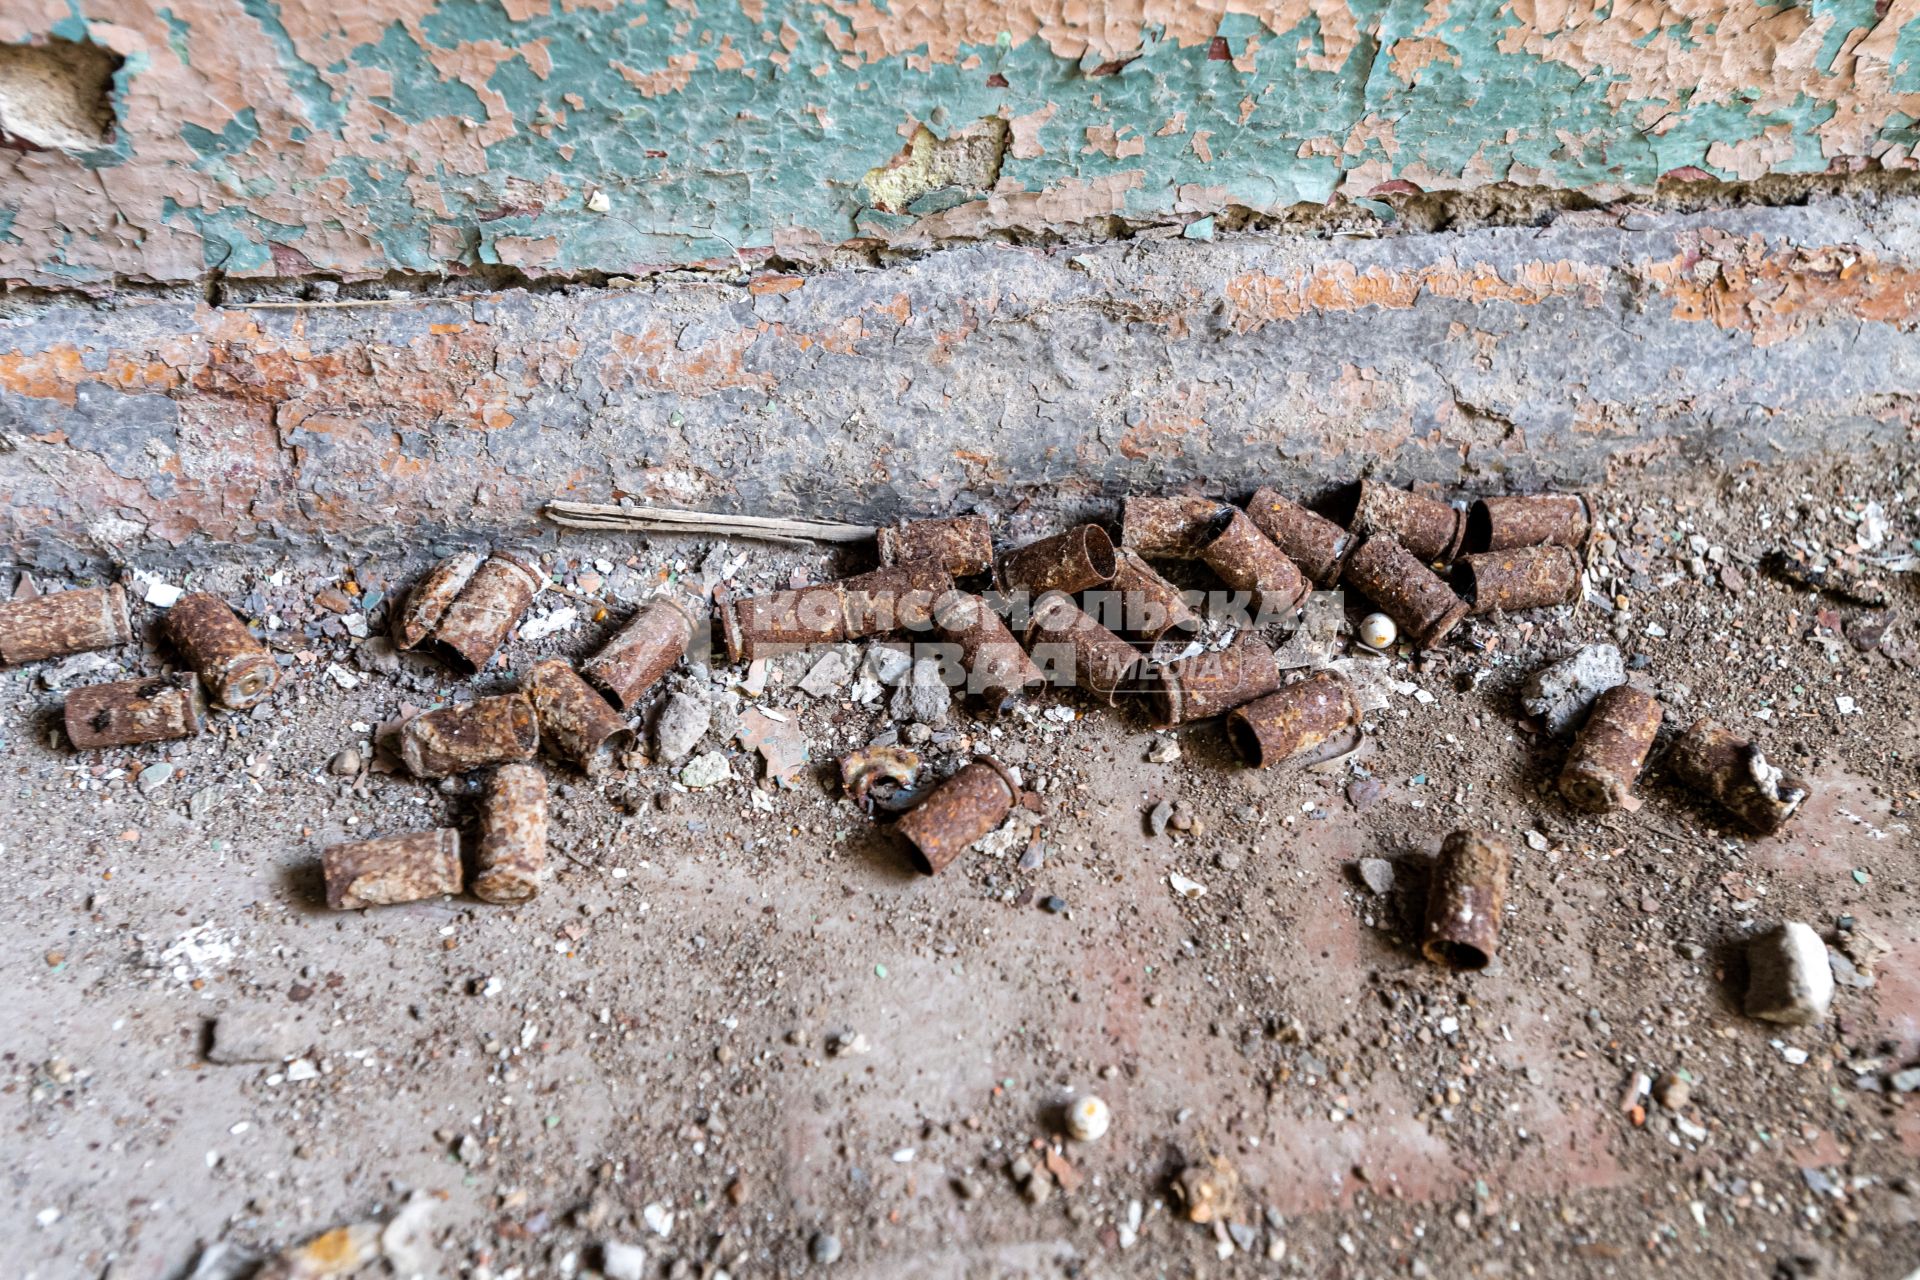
988	375
360	137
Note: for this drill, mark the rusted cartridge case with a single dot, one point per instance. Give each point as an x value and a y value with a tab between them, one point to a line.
805	615
1073	561
1103	663
899	597
498	593
1410	593
1524	578
1315	543
1428	528
1170	528
392	869
1148	607
962	809
63	622
998	669
963	545
641	652
1293	720
430	598
1612	745
1733	773
512	857
575	722
1466	893
1247	560
1502	524
1210	684
236	668
455	739
126	712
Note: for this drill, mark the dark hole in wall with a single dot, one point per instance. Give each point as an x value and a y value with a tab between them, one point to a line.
56	96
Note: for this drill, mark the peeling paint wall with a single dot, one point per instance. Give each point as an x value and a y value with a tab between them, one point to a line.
980	377
256	138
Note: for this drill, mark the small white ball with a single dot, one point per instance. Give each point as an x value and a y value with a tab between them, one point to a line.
1378	632
1087	1119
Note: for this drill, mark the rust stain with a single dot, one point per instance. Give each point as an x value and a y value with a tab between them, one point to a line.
1740	284
1259	299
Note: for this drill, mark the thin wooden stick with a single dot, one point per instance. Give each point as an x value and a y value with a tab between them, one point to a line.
603	515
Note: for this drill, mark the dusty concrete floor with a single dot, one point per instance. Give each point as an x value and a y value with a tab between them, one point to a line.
654	1034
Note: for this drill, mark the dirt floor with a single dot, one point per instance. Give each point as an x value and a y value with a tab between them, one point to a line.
739	1033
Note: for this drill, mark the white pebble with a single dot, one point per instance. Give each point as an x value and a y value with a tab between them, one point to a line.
1087	1119
1378	632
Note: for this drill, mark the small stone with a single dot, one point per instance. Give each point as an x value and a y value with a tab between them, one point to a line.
200	803
1088	1119
1163	751
829	675
154	777
682	722
345	763
1673	1091
1035	855
824	1249
968	1188
1182	818
708	770
925	697
1054	904
1560	694
1904	1081
1789	979
886	663
1377	875
1159	817
622	1261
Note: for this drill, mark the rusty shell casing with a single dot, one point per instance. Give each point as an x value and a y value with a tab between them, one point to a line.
438	744
1150	606
1103	663
1247	560
236	668
1073	561
1466	893
641	653
575	722
900	597
998	669
1293	720
1734	773
1523	578
495	597
389	870
127	712
782	619
1410	593
1427	527
1170	528
1541	519
1612	745
1211	684
1315	543
962	809
512	858
431	597
963	545
64	622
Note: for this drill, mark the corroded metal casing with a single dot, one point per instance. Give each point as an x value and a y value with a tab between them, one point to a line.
1466	893
1428	528
641	653
236	668
1502	524
1315	543
63	622
1294	720
1103	663
1406	590
1734	773
1247	560
455	739
512	858
963	545
1210	684
962	809
1073	561
1523	578
782	619
431	597
999	671
1142	604
1612	745
495	597
575	722
900	597
126	712
392	869
1170	528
